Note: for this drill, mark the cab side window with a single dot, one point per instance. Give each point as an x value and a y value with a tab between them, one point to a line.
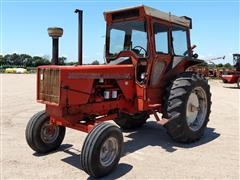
161	38
179	38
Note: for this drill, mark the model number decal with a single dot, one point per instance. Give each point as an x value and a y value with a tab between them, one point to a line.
98	76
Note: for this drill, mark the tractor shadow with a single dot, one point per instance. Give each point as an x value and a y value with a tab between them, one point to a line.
74	160
231	87
152	134
63	147
120	171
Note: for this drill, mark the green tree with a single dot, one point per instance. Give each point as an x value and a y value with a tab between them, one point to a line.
12	59
220	65
96	62
7	59
62	60
16	59
203	64
228	65
26	60
39	61
71	63
1	60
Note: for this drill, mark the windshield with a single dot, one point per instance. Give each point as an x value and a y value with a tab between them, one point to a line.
125	36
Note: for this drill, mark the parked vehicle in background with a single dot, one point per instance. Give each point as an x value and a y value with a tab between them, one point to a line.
233	76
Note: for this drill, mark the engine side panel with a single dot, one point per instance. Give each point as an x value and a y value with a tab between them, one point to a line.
82	86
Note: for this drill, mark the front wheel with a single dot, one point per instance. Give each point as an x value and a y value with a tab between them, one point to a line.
238	82
187	107
42	136
101	150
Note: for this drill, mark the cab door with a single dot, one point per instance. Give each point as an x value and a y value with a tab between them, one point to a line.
162	57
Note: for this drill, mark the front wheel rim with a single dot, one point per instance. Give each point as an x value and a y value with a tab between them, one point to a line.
49	133
196	109
109	151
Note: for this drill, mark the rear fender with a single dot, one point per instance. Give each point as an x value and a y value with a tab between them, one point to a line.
180	64
192	62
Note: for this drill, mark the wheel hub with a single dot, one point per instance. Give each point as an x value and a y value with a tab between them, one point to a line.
196	108
49	133
108	151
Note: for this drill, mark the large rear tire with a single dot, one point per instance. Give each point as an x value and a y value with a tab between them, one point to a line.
41	136
129	122
102	150
187	107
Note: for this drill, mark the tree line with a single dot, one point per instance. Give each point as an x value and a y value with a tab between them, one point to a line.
219	65
25	60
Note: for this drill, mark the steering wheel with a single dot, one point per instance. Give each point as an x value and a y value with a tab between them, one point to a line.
138	49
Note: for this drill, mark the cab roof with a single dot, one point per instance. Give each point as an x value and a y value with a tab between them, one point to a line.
137	11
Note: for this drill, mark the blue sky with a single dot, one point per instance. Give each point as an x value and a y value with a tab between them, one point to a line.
24	25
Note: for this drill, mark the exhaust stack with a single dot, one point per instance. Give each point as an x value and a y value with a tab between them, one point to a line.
80	27
55	33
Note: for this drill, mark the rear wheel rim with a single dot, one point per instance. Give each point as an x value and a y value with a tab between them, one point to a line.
196	110
109	151
49	133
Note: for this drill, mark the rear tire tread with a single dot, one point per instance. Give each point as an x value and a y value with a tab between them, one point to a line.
175	107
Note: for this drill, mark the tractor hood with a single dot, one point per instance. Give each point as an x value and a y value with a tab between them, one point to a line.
98	71
58	85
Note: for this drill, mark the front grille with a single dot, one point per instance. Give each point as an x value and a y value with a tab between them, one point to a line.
49	85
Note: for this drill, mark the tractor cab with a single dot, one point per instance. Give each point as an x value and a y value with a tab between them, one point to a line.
156	43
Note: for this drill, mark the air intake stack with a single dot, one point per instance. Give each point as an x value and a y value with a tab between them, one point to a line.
55	33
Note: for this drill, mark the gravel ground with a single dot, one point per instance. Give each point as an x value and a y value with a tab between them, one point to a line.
148	153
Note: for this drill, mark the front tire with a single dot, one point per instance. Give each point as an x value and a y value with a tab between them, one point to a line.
187	107
238	82
41	136
101	150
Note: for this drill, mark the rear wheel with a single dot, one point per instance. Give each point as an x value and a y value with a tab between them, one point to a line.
128	122
102	150
42	136
187	107
238	82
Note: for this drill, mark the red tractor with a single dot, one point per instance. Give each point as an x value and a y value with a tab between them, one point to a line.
233	76
147	53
